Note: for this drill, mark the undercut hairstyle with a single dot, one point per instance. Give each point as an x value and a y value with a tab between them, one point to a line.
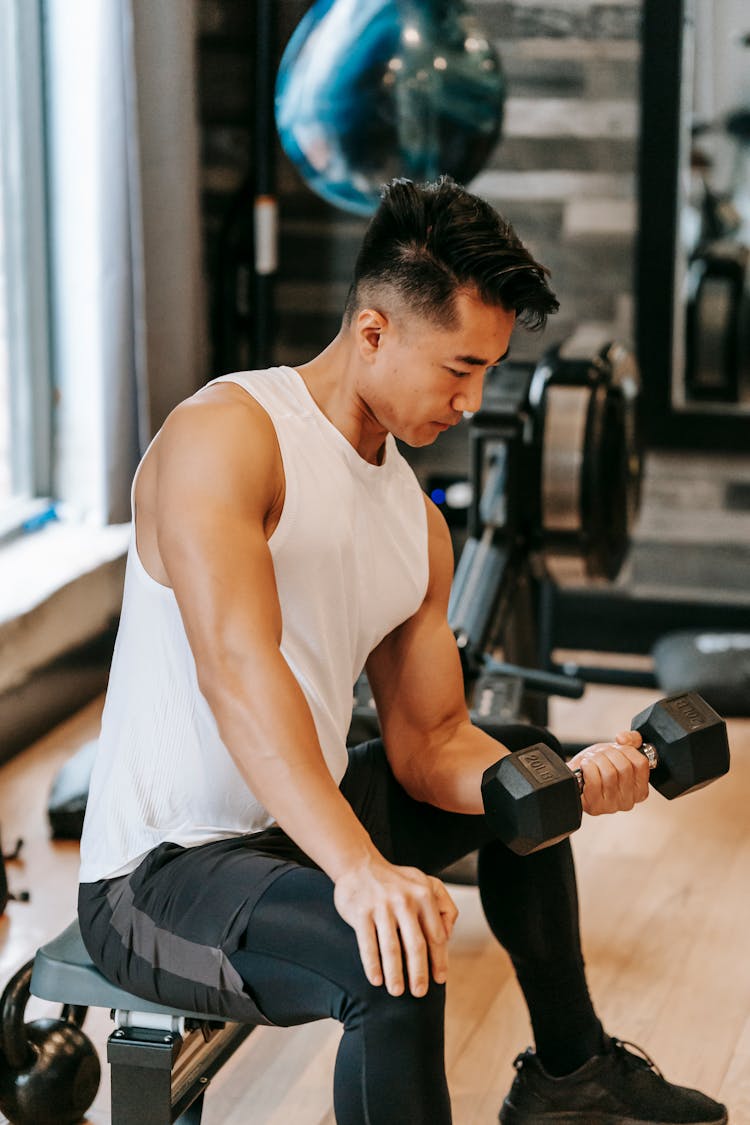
428	242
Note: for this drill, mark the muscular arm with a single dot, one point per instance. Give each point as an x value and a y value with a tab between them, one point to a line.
435	751
218	475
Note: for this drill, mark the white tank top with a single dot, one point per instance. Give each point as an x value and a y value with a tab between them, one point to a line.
351	563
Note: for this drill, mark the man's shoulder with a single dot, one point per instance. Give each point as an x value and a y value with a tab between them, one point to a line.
222	438
223	399
222	414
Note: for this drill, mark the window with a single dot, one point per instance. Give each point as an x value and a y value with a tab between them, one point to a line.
25	383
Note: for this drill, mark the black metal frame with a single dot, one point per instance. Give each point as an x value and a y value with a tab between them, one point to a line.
495	595
243	322
155	1082
658	203
264	173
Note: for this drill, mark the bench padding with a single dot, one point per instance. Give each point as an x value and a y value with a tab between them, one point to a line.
64	972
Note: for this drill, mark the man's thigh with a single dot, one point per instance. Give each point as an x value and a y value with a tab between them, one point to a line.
299	958
167	931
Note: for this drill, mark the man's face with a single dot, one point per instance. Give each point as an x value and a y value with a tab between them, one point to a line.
423	377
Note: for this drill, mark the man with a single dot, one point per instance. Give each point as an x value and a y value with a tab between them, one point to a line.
235	858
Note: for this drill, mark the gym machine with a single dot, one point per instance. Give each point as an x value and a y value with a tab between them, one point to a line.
555	465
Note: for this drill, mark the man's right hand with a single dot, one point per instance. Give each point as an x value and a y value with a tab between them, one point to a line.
401	917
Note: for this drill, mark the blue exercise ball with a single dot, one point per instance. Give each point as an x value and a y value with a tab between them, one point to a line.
372	89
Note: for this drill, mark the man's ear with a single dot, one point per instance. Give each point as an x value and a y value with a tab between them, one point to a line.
370	328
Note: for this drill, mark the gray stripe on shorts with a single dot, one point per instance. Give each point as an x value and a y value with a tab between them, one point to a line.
200	964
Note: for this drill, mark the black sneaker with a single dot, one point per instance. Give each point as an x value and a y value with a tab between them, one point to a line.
614	1088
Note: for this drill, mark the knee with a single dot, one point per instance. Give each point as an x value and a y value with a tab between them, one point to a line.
402	1015
359	999
361	1003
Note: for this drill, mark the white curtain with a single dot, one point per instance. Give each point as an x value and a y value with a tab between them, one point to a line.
127	288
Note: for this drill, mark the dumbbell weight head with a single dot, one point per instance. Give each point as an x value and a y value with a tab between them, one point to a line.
49	1070
690	740
531	799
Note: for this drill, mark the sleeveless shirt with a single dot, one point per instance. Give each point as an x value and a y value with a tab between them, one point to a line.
351	563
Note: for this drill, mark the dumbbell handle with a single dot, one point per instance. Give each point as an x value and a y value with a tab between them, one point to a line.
646	749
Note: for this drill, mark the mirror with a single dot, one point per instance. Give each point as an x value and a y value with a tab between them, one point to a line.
694	237
713	245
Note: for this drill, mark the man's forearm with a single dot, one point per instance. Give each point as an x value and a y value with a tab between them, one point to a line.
447	770
269	731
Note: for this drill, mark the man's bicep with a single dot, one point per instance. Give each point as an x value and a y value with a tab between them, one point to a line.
416	679
415	673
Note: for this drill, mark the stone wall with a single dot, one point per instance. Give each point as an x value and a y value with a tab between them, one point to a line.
565	172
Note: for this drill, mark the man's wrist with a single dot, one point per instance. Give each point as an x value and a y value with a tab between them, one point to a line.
349	861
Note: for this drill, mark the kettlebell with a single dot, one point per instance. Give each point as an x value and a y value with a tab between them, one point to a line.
49	1069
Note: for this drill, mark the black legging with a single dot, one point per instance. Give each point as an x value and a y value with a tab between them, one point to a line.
300	960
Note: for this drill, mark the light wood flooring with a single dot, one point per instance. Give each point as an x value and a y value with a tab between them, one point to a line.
665	900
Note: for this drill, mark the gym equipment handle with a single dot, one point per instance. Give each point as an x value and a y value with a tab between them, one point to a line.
551	683
647	750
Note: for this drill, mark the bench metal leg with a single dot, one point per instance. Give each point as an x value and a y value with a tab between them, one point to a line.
158	1078
141	1073
193	1115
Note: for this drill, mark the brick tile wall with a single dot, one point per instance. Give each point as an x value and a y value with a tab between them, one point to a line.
565	172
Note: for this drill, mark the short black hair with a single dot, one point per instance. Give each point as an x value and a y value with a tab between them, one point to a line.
427	242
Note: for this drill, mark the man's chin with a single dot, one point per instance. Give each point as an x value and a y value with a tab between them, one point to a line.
418	441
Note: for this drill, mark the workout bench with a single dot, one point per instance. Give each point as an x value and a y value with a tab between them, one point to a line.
161	1059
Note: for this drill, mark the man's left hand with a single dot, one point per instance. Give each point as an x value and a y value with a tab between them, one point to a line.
615	774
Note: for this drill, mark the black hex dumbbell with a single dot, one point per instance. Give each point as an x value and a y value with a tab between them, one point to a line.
533	799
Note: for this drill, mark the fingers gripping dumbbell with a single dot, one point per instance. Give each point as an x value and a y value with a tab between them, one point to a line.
533	799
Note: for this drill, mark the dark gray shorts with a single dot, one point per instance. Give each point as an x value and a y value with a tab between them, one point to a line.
168	930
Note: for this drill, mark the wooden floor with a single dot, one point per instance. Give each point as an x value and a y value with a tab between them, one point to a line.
665	899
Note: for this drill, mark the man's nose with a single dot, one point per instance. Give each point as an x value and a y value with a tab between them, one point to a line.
469	398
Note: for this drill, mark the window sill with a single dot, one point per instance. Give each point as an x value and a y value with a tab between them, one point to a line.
59	587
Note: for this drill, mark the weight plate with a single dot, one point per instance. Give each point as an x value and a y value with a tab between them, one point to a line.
585	429
562	457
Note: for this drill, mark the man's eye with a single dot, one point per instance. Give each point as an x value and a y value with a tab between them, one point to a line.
459	374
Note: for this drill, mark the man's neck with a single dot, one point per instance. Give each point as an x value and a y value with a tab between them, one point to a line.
332	380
